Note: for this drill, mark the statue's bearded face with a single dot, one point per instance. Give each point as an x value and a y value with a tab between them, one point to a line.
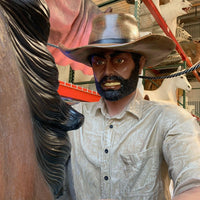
116	74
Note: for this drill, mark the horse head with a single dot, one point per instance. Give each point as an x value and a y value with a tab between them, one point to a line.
182	6
27	24
182	34
182	82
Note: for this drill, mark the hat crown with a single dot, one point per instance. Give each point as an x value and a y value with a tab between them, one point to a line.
114	28
119	32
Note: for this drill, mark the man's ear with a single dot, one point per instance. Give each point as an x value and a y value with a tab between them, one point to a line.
142	63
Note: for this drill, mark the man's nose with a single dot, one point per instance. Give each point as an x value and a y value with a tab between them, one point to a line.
108	68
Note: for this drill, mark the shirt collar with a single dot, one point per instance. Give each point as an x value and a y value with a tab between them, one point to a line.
135	107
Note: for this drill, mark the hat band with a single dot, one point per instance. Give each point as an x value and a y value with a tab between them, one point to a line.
111	40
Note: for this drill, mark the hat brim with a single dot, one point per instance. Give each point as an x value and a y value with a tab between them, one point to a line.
155	48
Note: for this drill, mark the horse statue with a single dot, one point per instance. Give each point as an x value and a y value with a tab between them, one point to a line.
167	90
176	8
34	120
181	34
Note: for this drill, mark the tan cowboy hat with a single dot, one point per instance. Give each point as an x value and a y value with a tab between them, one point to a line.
119	32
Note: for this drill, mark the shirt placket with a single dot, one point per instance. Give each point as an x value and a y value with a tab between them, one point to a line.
106	159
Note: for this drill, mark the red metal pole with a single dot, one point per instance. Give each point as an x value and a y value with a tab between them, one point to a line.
154	11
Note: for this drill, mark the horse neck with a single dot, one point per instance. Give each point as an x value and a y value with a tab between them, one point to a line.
170	88
172	24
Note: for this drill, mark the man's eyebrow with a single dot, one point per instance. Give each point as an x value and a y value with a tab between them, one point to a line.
115	54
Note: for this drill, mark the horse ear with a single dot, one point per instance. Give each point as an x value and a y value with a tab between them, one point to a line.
179	69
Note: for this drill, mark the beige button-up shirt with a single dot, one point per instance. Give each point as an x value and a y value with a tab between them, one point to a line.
124	157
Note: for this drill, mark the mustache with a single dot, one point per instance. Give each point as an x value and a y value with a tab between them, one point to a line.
111	78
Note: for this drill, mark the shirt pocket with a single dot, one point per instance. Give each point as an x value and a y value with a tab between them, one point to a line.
141	177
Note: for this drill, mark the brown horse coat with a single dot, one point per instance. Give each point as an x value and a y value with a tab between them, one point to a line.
20	176
34	120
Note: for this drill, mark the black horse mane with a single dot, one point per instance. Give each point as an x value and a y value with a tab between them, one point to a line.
28	27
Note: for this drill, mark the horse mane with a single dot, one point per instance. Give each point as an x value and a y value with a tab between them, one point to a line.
28	26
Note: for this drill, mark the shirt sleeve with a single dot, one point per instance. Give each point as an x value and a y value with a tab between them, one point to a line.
181	150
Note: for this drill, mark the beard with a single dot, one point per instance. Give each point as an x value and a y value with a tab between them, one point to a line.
127	86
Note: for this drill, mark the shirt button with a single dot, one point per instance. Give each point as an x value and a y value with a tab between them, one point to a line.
105	178
111	126
106	150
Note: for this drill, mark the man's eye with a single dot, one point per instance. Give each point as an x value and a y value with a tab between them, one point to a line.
97	61
100	62
119	60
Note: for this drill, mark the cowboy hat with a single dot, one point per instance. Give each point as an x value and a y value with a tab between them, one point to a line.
119	32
